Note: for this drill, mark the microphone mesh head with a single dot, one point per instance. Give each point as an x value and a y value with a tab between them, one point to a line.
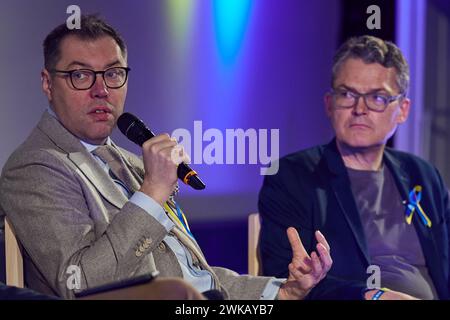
134	129
125	121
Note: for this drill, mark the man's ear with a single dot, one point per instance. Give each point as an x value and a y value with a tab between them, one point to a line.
328	102
405	105
46	84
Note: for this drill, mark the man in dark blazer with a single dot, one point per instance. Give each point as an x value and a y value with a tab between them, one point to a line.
385	213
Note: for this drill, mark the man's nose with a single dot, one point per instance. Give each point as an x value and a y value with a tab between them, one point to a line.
360	106
99	89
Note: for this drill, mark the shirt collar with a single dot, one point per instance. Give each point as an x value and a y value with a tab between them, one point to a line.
92	147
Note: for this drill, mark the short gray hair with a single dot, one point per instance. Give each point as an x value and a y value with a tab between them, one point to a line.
373	50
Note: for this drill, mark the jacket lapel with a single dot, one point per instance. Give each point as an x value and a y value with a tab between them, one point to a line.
424	233
80	157
404	186
340	184
98	177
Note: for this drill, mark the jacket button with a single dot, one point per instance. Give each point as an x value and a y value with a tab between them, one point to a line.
145	245
148	241
141	248
162	247
138	253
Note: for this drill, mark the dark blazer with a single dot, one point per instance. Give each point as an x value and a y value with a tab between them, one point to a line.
311	191
13	293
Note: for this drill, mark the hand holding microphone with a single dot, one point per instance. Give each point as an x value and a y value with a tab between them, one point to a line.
163	160
160	171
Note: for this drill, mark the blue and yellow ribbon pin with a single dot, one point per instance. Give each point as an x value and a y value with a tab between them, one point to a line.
415	195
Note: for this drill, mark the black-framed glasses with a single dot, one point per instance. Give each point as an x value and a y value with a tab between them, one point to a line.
375	101
84	79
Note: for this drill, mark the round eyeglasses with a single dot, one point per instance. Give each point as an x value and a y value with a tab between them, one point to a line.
84	79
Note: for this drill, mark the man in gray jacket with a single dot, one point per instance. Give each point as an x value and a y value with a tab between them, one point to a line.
83	207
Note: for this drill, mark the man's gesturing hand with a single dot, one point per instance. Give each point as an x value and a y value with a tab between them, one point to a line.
305	271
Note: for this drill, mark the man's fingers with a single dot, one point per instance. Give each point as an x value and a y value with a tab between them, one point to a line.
167	147
294	272
178	155
303	265
158	138
158	143
187	158
321	239
316	266
303	280
298	251
325	257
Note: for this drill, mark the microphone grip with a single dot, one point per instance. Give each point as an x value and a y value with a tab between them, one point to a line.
189	176
143	136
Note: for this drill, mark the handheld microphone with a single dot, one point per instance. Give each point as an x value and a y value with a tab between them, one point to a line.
135	130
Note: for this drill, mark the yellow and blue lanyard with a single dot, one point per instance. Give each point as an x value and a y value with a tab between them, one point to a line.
175	212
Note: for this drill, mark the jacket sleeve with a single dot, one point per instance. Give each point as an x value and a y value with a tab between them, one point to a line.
46	203
445	198
241	287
